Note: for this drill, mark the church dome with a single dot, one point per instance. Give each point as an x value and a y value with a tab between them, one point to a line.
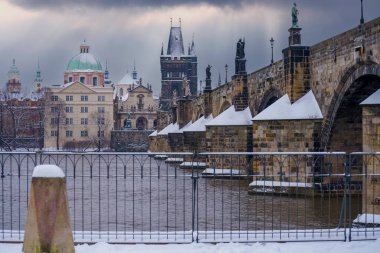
84	61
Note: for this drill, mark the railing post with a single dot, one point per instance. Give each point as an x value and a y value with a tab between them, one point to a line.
47	227
348	185
194	211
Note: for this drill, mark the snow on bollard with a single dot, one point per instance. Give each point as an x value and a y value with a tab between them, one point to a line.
47	226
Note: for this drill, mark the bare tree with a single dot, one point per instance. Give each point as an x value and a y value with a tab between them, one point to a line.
102	123
55	116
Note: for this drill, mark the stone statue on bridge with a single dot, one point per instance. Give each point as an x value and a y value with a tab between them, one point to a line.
208	72
240	49
295	15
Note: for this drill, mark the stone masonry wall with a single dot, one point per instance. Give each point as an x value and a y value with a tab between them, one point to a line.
284	136
130	140
229	139
371	143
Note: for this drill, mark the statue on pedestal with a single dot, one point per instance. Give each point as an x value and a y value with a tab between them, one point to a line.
295	15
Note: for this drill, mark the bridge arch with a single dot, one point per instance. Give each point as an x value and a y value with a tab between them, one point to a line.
342	126
270	96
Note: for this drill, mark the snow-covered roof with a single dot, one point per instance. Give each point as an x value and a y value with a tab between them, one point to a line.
231	117
374	99
154	134
47	170
175	44
128	79
304	108
199	124
171	128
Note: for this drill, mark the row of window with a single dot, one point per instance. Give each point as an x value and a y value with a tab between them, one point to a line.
82	79
84	98
70	133
83	121
83	109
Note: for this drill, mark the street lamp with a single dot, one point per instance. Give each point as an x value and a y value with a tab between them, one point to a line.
226	68
271	45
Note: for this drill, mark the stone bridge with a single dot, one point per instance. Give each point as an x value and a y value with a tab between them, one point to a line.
341	71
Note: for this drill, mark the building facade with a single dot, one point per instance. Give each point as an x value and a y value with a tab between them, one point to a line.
78	117
136	104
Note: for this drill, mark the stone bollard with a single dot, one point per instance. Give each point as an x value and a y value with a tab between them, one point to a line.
47	226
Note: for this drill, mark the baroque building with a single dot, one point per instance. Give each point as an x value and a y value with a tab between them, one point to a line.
79	113
85	68
136	104
176	65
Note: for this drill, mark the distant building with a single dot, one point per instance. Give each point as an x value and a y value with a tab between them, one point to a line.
78	117
85	68
79	114
136	104
175	66
21	117
13	86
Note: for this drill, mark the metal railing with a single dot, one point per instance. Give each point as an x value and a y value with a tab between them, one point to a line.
207	197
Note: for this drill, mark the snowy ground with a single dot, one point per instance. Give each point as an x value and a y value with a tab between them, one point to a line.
290	247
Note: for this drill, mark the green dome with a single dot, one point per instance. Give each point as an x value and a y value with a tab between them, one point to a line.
85	62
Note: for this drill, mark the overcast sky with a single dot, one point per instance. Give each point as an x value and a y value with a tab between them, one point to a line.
121	31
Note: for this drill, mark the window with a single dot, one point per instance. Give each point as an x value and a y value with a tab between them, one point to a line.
83	98
94	81
121	92
82	79
54	109
54	98
54	133
84	121
100	133
69	121
69	133
84	109
101	98
69	109
69	98
102	110
101	121
83	133
70	79
54	121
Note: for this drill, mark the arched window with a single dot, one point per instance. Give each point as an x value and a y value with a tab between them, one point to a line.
141	123
140	104
94	81
121	92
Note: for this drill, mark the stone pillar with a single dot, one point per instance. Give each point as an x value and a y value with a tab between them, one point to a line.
47	226
240	92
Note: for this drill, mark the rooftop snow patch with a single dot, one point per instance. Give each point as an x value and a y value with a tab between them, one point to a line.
199	124
154	134
171	128
47	170
304	108
374	99
231	117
